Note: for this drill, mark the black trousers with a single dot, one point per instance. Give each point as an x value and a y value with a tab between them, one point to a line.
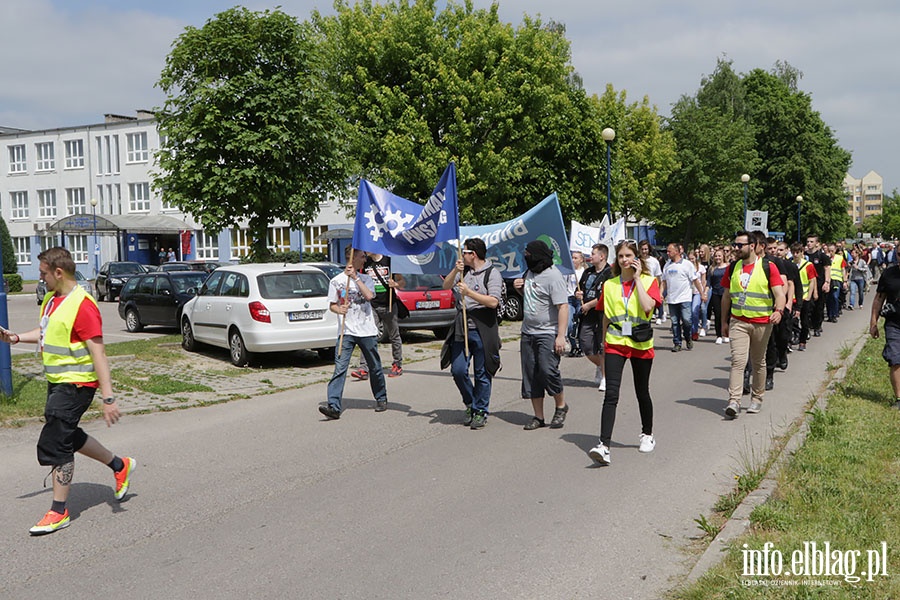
640	369
805	318
817	315
715	305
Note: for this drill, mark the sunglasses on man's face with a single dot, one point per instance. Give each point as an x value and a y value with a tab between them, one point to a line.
468	252
739	245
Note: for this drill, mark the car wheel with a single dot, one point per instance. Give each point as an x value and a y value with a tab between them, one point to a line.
239	355
441	332
187	336
513	309
132	321
326	353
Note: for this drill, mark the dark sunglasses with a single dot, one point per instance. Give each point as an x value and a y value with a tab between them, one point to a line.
739	245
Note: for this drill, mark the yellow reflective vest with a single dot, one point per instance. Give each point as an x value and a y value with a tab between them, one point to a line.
65	361
756	300
804	278
615	310
837	267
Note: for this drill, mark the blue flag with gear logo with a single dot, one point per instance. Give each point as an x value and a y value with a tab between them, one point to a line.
391	225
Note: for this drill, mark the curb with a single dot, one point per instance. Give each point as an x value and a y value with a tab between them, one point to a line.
739	521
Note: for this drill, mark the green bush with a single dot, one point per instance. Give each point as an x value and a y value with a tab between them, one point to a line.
14	281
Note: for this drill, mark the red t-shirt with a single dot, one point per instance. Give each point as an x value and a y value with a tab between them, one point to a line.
88	323
775	279
628	351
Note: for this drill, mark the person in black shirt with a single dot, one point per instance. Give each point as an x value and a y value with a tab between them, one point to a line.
590	335
822	264
378	267
887	296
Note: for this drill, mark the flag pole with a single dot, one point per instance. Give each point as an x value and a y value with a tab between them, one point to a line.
462	300
346	299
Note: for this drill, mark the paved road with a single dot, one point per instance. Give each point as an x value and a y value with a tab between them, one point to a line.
261	498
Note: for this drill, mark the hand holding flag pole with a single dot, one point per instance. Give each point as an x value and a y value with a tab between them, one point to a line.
462	300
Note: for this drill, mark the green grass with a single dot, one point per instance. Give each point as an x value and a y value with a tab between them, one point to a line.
842	486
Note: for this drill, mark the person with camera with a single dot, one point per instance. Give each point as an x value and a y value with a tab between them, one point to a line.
627	303
887	305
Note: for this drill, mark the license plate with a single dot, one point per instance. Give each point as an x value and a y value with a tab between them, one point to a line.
305	315
428	304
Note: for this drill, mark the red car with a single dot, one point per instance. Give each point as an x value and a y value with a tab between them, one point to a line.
430	305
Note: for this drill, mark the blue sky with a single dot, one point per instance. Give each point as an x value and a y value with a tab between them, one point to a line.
67	62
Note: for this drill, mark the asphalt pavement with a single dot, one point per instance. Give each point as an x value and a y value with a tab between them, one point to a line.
263	498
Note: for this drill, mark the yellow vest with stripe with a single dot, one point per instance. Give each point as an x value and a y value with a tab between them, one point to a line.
804	278
756	301
616	312
65	361
837	268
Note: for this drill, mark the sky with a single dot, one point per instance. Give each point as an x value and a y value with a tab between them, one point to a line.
69	62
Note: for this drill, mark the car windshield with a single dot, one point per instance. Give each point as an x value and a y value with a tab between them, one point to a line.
185	281
79	276
125	268
330	270
422	281
292	284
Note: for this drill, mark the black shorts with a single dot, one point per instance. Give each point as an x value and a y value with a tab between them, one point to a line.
590	337
61	436
540	366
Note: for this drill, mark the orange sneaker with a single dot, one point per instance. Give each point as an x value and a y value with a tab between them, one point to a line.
50	523
123	477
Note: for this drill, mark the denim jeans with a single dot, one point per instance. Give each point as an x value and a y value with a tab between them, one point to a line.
681	321
369	347
572	329
477	396
857	290
696	305
832	299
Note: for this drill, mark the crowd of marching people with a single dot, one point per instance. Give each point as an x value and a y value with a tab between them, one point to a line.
762	297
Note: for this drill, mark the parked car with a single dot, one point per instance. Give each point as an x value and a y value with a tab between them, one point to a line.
430	305
41	289
329	268
253	308
512	305
112	277
157	298
174	266
207	266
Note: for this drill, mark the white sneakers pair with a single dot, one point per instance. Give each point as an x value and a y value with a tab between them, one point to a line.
600	452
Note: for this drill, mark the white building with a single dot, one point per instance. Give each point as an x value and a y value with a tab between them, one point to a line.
865	196
88	188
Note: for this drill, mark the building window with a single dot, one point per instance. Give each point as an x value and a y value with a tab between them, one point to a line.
167	205
240	243
871	197
49	241
206	245
17	162
75	204
107	154
139	197
313	240
19	202
78	248
137	147
45	159
47	204
278	239
871	188
22	246
74	154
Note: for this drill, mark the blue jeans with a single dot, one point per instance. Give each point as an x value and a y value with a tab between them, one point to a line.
832	300
477	396
369	347
681	321
695	313
857	289
572	329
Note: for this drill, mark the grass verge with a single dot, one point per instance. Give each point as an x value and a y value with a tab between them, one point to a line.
841	487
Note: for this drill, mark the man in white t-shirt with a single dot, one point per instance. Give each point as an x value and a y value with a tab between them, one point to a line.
678	277
350	297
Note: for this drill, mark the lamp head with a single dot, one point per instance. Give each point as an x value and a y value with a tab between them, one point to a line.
745	178
608	134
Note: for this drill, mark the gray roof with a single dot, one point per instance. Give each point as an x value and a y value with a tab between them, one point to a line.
131	223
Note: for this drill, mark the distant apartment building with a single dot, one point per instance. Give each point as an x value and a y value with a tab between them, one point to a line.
865	196
88	188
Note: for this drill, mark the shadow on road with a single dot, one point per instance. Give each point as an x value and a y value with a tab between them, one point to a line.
713	405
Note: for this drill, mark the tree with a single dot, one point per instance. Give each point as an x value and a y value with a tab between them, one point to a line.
9	252
890	217
249	128
420	88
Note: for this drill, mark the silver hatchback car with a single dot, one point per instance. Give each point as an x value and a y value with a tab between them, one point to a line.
260	308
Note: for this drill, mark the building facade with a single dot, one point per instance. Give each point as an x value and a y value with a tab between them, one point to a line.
865	197
88	188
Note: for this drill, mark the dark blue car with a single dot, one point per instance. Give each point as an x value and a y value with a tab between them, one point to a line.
157	298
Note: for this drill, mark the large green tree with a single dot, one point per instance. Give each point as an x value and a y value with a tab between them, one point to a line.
249	129
421	87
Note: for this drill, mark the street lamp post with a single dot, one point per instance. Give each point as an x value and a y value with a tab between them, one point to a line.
96	243
745	179
608	135
799	206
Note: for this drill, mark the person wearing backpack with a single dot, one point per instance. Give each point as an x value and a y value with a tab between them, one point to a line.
590	336
754	302
479	285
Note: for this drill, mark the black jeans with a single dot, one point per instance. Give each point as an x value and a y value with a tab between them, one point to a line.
640	369
817	314
715	304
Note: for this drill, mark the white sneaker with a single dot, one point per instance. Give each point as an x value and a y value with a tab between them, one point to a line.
726	340
647	443
702	332
600	454
718	340
659	321
602	387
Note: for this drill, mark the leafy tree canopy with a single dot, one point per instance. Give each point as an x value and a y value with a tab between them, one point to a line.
249	129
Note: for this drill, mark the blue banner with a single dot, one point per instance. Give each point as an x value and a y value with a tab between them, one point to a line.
391	225
505	243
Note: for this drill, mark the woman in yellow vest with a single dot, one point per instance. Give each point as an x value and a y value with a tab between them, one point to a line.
628	301
838	283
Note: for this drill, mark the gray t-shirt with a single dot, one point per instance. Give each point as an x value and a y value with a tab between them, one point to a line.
542	294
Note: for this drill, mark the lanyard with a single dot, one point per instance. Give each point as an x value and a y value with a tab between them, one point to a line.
628	297
744	286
